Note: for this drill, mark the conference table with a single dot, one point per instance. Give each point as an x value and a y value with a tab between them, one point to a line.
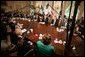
45	29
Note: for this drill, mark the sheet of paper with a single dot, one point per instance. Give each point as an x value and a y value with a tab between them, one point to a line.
24	30
74	48
60	41
28	32
55	41
40	37
41	22
64	42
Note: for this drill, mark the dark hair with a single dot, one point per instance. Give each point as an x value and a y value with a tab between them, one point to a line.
64	16
47	5
4	32
46	39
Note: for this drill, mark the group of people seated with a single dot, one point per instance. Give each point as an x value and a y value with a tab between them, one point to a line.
46	14
12	36
13	41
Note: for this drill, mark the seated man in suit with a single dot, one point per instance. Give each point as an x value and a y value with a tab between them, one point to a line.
44	48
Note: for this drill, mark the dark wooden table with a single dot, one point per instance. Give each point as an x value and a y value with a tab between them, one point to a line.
42	29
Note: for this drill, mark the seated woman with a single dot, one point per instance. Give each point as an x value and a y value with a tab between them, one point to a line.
16	30
21	44
44	48
12	24
16	35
